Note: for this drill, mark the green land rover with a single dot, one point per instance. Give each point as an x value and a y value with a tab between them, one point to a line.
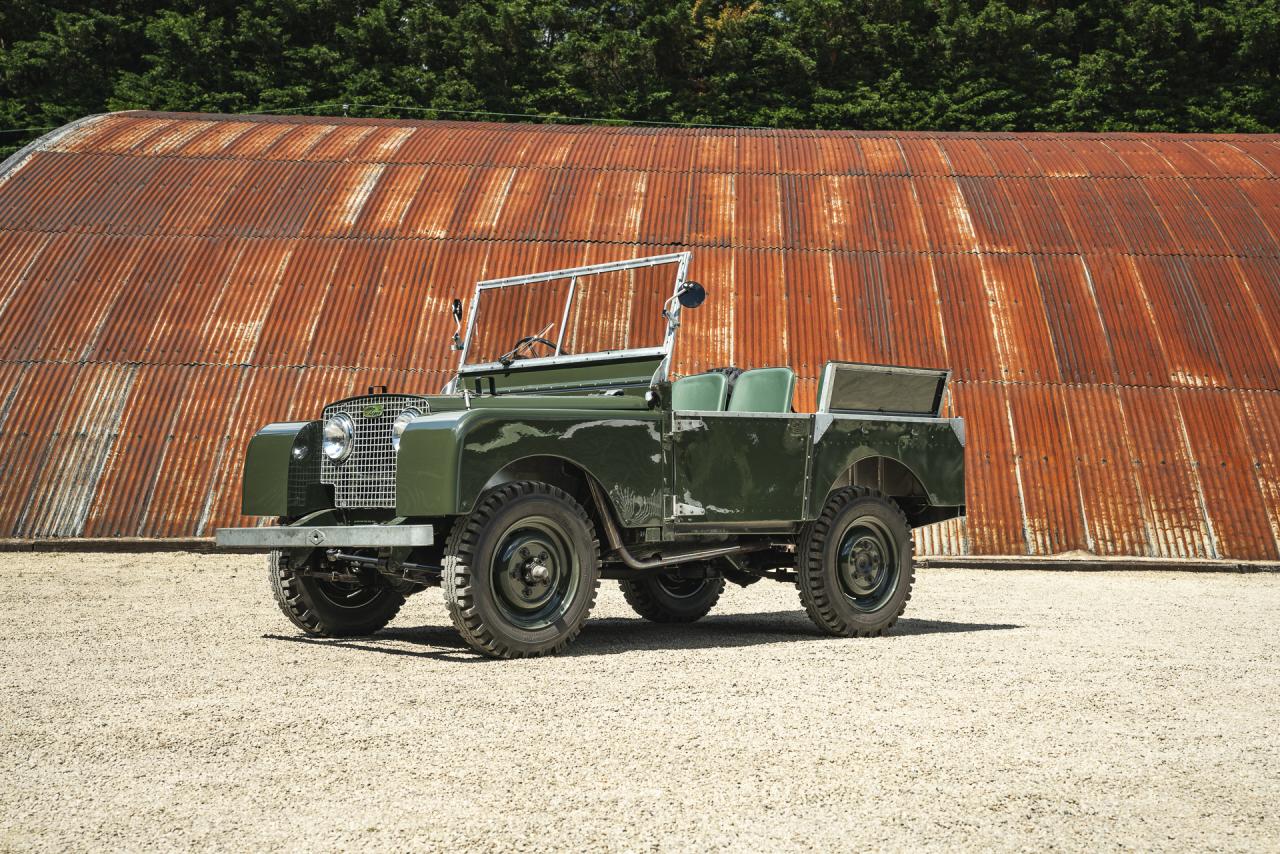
561	453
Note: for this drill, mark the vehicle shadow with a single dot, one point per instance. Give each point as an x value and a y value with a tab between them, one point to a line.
612	635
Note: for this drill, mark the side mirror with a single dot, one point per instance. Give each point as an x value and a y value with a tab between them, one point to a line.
457	322
691	294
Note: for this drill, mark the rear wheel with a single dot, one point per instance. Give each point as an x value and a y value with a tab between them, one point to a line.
855	564
521	572
668	598
331	609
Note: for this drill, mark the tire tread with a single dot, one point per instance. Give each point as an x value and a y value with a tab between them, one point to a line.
642	600
458	578
286	588
810	577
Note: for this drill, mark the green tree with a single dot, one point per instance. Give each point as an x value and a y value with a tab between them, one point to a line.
1172	65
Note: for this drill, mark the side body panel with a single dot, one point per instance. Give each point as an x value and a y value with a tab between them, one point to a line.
446	459
731	468
275	482
929	447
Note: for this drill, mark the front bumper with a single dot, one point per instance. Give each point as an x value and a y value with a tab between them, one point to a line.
326	537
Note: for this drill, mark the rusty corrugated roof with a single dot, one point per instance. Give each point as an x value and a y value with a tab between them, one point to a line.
1109	302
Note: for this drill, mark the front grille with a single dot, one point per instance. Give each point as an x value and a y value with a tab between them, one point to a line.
367	477
304	473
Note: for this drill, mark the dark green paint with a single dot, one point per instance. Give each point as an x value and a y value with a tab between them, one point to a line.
930	449
745	470
738	468
447	458
534	378
277	484
741	468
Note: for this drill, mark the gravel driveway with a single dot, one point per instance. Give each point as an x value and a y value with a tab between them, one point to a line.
152	701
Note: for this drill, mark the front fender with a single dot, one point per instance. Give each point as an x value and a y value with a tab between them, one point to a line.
276	483
446	459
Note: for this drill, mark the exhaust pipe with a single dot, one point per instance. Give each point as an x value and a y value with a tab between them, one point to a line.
614	538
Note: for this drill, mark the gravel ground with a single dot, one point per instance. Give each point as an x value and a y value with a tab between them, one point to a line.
153	701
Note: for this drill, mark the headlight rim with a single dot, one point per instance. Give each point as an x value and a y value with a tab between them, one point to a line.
401	423
344	442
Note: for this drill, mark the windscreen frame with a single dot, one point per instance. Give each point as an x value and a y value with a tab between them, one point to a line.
663	351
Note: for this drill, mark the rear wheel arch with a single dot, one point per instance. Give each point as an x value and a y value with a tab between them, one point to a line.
886	475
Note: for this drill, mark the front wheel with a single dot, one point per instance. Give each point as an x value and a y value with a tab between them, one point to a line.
668	598
521	572
854	564
331	609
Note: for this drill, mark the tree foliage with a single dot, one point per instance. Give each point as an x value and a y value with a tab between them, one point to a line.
1157	65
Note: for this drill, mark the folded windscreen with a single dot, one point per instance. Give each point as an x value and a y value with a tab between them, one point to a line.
857	388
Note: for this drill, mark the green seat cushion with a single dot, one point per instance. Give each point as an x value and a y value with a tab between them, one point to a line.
763	390
700	392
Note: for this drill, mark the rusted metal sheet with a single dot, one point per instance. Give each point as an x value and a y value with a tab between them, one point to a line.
993	493
1259	415
966	316
1111	501
85	423
1226	474
1128	319
1047	476
1074	319
1108	303
1166	472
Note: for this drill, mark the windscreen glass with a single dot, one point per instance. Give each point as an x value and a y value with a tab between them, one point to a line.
508	314
616	310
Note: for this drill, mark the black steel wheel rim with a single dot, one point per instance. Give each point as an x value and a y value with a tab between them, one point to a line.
347	594
680	588
534	573
867	564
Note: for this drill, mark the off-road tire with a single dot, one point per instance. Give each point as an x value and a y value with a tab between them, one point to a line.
657	599
307	602
818	575
473	602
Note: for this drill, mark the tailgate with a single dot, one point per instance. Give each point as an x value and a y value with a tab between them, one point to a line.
856	388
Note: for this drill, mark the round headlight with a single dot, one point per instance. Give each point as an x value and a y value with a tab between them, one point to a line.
398	426
339	436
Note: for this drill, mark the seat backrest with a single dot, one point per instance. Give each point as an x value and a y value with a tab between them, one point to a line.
763	390
700	392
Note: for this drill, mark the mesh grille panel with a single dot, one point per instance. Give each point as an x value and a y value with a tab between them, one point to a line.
367	477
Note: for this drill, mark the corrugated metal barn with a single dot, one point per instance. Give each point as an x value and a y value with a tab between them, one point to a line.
1110	304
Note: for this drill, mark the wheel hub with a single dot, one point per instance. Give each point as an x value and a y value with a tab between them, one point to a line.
866	564
533	573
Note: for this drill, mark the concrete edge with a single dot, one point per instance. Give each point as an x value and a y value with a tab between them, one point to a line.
1098	564
1074	563
108	544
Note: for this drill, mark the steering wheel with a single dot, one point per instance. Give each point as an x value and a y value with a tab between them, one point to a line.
525	343
529	341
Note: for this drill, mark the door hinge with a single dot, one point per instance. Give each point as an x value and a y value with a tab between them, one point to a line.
681	425
680	508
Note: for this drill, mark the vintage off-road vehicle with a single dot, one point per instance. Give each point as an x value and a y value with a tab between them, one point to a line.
560	454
